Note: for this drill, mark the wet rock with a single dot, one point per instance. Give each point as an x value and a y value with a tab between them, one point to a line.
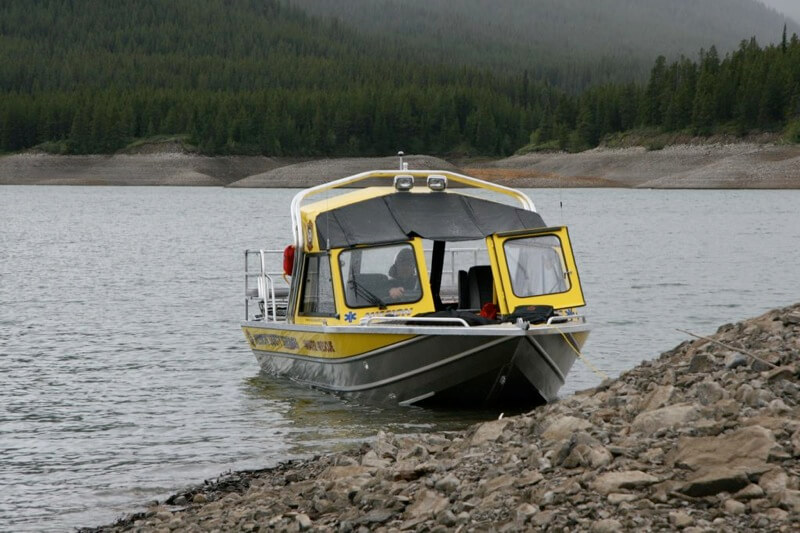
199	498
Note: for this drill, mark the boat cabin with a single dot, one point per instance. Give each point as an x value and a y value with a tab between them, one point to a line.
425	246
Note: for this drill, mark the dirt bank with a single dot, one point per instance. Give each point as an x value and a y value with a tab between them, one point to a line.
718	166
163	168
741	165
704	438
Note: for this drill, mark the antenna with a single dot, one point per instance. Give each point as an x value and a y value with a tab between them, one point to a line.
400	154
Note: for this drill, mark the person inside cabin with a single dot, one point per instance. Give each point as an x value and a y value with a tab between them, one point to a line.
404	281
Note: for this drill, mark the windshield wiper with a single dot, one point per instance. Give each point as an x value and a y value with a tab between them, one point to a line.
367	294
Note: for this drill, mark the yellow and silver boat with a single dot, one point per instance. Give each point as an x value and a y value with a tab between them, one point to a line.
418	288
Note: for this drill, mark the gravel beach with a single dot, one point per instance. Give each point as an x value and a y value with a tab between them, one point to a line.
706	437
704	166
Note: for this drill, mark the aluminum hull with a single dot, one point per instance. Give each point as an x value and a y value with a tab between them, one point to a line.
492	366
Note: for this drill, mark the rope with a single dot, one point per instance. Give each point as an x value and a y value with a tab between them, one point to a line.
581	356
734	348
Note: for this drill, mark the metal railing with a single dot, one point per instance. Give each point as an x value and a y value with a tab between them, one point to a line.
270	303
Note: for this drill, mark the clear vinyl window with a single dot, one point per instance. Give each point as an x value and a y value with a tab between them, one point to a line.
318	287
536	266
379	276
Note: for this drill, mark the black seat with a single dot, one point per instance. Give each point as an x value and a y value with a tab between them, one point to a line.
481	286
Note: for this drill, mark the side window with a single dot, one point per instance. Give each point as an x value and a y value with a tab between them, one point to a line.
380	276
317	287
536	266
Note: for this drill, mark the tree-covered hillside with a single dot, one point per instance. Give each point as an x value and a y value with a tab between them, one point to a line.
570	43
264	77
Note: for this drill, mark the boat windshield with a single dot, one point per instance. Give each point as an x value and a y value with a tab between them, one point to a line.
380	275
536	266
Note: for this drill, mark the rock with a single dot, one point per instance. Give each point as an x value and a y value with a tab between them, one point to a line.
614	481
529	478
199	498
795	440
489	432
543	519
701	363
773	481
750	492
775	514
781	373
447	484
616	498
498	483
649	422
426	505
789	500
735	360
525	511
657	398
563	427
608	525
744	450
447	518
708	392
734	507
680	519
303	521
714	481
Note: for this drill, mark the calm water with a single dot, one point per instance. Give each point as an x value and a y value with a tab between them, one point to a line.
124	375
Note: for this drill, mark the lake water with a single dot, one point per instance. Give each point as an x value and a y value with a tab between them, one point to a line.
124	375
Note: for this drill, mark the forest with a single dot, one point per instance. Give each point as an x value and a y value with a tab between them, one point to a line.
267	77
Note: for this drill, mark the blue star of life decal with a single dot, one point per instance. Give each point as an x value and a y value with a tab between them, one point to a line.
350	317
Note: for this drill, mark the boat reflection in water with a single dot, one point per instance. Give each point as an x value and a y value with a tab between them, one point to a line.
418	291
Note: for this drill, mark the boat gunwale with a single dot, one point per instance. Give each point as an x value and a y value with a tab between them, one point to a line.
493	330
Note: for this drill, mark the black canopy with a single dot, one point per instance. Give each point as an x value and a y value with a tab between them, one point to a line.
436	216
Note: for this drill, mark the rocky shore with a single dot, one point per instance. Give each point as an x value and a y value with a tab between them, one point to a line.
704	438
743	165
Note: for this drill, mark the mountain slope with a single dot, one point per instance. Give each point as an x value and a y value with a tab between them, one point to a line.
572	43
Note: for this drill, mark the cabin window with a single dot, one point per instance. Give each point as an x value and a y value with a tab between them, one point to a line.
536	266
379	276
317	287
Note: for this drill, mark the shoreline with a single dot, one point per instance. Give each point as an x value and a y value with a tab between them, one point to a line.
705	437
687	166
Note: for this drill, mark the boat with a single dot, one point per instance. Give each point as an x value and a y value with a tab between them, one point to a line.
418	288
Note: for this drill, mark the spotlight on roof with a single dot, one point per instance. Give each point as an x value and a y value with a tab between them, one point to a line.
437	182
404	182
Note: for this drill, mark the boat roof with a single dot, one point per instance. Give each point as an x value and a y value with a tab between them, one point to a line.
378	215
399	216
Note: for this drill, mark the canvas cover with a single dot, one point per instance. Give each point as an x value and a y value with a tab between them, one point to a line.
436	216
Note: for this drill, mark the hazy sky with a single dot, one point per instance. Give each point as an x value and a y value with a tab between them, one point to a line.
787	7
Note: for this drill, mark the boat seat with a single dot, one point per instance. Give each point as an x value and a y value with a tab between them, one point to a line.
481	286
463	289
